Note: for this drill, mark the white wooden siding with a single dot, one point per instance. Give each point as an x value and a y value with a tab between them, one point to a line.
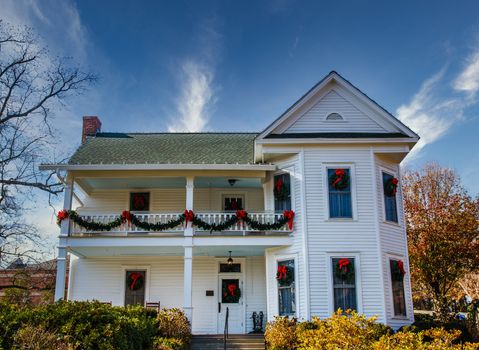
328	237
103	279
314	120
172	199
393	244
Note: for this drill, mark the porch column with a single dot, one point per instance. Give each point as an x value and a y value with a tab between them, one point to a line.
190	187
62	251
188	282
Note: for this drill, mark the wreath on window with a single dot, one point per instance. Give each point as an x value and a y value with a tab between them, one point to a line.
281	191
231	293
339	180
285	275
135	280
390	187
345	269
397	270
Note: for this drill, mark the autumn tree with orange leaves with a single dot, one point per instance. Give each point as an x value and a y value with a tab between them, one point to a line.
442	228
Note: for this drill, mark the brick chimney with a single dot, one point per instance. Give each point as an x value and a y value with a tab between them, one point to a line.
91	125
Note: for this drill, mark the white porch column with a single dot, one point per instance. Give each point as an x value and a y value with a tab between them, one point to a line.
188	258
62	252
188	283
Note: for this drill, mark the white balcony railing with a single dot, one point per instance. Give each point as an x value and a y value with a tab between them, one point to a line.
155	218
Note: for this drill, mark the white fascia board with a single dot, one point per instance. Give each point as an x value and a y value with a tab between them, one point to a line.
124	241
269	241
70	167
338	140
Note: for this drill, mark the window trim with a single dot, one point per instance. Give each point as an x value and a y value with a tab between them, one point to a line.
352	178
383	195
146	268
277	259
390	257
357	276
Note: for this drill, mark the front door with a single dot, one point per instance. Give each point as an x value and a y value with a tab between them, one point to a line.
135	287
231	299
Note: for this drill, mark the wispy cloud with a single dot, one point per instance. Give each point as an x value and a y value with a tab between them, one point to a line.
436	108
195	98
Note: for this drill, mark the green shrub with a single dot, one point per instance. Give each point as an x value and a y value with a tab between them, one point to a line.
280	334
162	343
173	323
84	325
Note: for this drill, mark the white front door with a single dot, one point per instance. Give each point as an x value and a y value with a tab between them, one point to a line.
231	300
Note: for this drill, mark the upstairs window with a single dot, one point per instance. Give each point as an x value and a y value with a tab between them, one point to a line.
233	202
334	116
344	284
390	184
282	193
139	201
339	185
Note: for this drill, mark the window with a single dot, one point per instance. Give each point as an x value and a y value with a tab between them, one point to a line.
233	202
286	288
340	204
390	203
344	284
282	193
139	201
225	268
397	280
135	287
334	116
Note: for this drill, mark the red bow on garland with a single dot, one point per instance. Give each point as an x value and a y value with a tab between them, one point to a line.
401	267
282	272
232	289
135	276
343	265
241	215
62	215
125	216
289	215
189	216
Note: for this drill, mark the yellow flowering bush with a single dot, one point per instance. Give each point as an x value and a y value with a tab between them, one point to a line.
351	331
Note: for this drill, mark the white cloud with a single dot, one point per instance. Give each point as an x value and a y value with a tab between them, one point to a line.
468	80
195	98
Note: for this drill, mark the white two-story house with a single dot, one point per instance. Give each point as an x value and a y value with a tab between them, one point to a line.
300	219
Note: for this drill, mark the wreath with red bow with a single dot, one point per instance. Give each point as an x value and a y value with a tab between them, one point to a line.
339	180
285	275
345	269
397	270
231	293
281	191
390	187
135	280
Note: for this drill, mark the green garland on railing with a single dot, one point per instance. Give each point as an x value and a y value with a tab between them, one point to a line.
188	215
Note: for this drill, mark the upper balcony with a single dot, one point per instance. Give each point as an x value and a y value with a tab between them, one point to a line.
158	200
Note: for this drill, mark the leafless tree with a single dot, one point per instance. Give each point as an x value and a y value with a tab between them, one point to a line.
32	86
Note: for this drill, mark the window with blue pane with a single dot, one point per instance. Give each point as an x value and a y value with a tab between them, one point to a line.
286	291
390	203
344	284
340	203
282	193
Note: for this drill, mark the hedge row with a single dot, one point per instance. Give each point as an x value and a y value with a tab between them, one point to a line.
90	325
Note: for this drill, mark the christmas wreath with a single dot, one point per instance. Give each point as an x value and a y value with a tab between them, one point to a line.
345	269
285	275
339	180
390	187
135	280
281	191
397	270
231	293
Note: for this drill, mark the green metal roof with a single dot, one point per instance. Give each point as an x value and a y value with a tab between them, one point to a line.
164	148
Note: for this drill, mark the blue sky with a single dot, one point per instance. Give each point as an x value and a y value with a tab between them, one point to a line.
236	65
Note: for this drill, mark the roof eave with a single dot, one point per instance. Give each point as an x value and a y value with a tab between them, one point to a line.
239	167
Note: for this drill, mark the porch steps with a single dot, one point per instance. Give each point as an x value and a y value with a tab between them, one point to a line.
236	342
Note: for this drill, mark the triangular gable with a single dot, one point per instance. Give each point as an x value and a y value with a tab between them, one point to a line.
334	94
